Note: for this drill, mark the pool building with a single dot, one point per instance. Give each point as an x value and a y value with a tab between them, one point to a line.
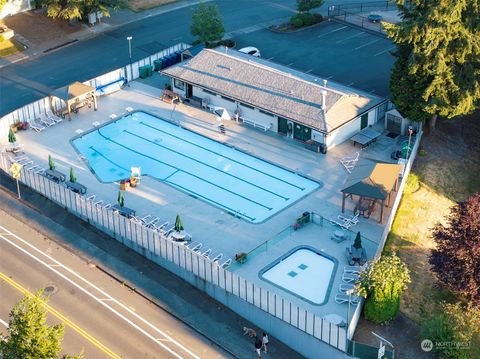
276	98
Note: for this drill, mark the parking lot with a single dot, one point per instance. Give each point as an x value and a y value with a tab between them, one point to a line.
330	50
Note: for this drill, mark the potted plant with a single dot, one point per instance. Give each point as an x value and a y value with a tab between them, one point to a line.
120	199
133	181
51	163
11	136
22	125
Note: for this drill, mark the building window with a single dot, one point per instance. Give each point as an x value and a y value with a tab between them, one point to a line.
179	84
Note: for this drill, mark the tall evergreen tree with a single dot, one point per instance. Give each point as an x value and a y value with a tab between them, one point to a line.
437	71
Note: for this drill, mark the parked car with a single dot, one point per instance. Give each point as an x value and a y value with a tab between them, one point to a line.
251	51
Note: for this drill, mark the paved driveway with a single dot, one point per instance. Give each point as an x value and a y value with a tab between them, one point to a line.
331	50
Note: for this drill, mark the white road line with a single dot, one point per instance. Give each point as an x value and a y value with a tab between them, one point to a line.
368	43
4	323
331	32
181	346
384	51
271	58
350	37
291	63
307	72
351	83
329	77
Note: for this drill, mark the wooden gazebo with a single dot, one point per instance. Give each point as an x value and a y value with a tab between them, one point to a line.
372	180
75	96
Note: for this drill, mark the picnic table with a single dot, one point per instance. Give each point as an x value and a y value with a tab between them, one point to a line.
77	187
124	211
365	137
55	175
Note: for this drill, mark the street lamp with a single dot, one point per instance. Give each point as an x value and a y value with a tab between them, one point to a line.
129	39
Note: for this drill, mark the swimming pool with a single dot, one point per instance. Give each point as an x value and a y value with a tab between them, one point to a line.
304	272
234	181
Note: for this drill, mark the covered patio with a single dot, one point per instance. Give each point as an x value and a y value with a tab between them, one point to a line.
75	96
371	181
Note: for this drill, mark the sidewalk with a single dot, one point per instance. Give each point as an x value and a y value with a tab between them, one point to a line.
208	317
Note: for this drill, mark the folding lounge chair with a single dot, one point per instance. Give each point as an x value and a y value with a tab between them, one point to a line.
344	298
344	225
226	263
344	288
53	117
207	252
350	219
350	162
37	127
45	120
217	257
352	269
349	277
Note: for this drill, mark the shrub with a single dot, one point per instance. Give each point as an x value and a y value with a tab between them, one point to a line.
296	21
422	152
308	19
382	283
412	185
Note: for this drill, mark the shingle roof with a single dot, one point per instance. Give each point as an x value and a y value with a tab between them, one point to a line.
275	88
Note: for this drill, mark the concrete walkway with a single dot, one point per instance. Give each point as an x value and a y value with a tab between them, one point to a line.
164	289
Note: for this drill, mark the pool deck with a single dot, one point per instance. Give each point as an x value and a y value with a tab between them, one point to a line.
209	225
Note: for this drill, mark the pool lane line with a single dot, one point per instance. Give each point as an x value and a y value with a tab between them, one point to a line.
207	165
107	159
219	154
212	201
191	174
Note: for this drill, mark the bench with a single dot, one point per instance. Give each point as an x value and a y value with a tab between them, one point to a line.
255	124
111	87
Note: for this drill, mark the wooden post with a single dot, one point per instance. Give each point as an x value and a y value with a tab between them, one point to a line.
343	202
381	211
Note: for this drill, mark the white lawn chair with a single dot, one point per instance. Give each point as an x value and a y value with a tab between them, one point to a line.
217	257
53	117
350	277
197	247
207	253
45	120
352	269
351	219
350	162
37	127
136	172
344	298
227	263
344	288
344	225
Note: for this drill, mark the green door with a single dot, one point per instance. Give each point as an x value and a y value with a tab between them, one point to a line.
364	121
282	125
297	131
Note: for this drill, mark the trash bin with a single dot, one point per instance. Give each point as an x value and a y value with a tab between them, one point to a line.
149	69
323	148
157	64
143	71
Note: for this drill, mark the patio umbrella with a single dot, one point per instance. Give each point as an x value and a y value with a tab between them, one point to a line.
178	224
120	199
222	113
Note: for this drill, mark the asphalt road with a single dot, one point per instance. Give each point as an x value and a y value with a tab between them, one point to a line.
101	317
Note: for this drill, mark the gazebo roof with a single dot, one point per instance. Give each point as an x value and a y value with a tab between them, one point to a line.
372	179
72	91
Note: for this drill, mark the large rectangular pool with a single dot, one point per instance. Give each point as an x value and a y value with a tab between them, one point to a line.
234	181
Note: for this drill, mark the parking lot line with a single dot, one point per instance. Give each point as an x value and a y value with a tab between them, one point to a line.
307	72
368	43
384	51
291	63
271	58
331	32
350	37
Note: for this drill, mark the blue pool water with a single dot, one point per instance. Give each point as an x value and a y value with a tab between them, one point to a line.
227	178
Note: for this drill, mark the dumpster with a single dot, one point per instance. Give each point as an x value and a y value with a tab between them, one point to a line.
157	64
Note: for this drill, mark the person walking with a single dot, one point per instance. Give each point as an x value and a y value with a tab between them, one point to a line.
265	342
258	347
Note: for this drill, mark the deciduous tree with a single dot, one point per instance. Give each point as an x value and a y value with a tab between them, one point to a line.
207	24
382	283
307	5
29	336
437	71
456	258
79	9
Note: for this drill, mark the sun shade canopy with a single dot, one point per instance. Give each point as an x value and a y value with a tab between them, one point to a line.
72	91
372	179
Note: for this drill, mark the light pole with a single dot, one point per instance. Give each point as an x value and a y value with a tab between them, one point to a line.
349	292
129	39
